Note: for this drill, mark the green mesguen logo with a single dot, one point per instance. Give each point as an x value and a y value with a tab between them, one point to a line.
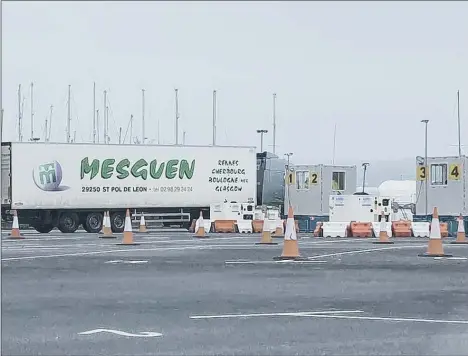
171	169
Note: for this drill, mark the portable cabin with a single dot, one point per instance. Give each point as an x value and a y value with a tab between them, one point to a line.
308	189
447	189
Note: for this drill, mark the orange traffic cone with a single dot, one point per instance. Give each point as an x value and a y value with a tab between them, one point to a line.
200	227
279	229
435	247
461	236
15	231
142	229
128	234
290	246
266	234
106	232
383	234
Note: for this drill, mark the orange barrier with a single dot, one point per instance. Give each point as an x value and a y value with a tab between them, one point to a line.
257	226
318	229
443	230
225	226
361	229
402	228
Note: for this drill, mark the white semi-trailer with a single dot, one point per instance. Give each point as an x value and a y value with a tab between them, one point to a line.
67	185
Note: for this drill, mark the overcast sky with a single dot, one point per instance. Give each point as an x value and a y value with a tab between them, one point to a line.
374	68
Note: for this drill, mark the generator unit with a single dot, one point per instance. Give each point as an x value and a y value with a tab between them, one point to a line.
360	208
232	211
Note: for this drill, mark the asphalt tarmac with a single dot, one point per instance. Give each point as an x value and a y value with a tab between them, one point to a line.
173	294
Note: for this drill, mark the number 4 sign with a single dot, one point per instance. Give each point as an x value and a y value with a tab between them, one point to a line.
455	171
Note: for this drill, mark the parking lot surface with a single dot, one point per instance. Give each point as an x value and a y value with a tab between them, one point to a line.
174	294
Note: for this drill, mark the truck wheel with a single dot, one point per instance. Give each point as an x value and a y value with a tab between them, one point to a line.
117	221
93	223
68	222
44	229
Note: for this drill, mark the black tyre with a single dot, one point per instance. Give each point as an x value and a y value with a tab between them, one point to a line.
44	229
93	222
117	221
68	222
85	228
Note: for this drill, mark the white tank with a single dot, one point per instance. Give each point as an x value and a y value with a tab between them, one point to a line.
404	191
368	190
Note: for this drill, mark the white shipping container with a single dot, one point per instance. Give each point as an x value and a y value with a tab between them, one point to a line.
80	176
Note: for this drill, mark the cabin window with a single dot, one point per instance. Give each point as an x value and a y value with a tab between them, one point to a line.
338	180
439	174
302	180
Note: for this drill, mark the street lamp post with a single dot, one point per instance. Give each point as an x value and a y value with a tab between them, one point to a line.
261	132
289	154
426	166
364	165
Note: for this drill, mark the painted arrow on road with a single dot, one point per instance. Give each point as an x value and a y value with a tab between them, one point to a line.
121	333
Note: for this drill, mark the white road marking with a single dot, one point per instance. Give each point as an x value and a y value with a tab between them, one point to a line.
320	241
126	261
433	321
363	251
121	333
272	262
306	313
130	249
48	238
11	248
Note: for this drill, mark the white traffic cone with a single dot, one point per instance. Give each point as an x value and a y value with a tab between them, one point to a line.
461	235
106	227
435	247
142	229
266	234
15	231
383	234
128	234
200	227
290	246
